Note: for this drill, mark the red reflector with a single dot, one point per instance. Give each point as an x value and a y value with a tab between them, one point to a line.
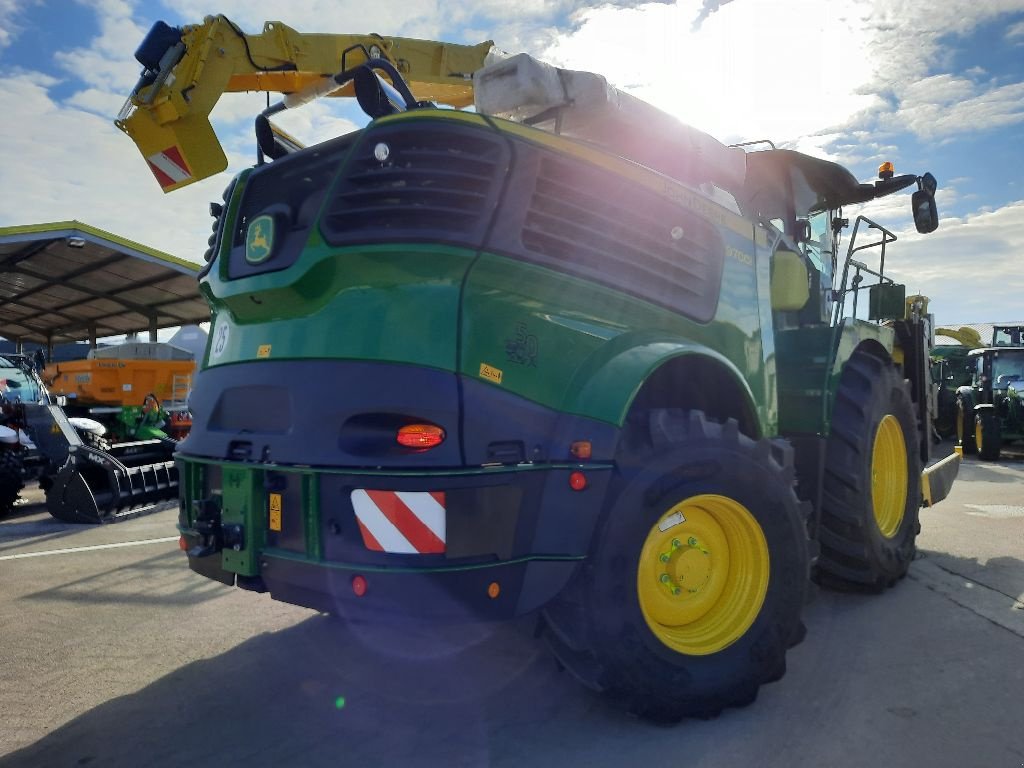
577	481
359	585
182	544
420	436
493	590
581	449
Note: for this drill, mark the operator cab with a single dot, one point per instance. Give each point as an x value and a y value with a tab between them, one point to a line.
801	199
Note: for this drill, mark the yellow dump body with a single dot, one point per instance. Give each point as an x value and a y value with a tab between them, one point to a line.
119	382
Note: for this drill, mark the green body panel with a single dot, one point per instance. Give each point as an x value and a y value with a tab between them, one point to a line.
375	303
586	349
810	362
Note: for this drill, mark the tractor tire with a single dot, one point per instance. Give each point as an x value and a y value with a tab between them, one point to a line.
11	480
872	489
965	425
697	574
987	435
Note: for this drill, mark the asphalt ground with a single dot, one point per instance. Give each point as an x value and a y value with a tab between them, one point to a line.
113	653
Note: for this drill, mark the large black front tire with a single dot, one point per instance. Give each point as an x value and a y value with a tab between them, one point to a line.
11	481
603	628
872	490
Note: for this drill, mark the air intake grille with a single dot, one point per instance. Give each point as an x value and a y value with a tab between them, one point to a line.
433	182
598	225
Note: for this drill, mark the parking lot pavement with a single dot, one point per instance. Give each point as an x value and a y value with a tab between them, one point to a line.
119	656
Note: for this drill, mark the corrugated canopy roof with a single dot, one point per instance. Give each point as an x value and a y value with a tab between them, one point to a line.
68	281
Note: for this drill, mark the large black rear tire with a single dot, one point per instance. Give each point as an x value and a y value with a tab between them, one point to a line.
698	573
872	489
11	481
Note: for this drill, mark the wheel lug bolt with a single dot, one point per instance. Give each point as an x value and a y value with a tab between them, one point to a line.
676	544
692	541
665	557
665	578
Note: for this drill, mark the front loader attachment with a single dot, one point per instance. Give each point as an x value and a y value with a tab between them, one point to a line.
95	486
93	482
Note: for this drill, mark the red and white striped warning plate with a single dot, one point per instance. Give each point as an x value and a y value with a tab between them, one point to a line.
400	521
169	167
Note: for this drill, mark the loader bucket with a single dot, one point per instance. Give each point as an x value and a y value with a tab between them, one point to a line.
95	486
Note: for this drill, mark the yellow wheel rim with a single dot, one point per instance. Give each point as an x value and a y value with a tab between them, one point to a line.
703	574
889	476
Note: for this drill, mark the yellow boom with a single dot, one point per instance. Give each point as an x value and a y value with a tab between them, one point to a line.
187	69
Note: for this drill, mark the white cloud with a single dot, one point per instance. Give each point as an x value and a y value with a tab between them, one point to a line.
102	103
413	18
970	267
1015	31
71	164
943	106
11	13
753	70
108	62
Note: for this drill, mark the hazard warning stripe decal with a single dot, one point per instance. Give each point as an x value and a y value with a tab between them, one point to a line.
169	167
401	522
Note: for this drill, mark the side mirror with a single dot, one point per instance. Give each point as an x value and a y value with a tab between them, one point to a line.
929	184
926	215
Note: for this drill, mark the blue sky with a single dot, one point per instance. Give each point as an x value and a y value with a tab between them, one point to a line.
936	87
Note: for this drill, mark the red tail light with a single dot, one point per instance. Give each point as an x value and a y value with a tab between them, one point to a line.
422	437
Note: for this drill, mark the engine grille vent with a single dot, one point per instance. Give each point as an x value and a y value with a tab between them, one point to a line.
594	223
436	183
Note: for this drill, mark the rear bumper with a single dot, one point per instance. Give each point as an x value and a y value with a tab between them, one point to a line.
521	528
448	595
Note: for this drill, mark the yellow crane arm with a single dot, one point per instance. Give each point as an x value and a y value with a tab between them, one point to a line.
969	337
187	69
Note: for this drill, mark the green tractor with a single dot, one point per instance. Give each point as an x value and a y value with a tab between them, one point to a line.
589	363
990	408
950	372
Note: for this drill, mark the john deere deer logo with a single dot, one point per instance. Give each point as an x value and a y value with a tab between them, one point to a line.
259	239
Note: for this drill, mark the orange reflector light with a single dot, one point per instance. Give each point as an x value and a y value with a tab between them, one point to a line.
493	590
182	544
577	481
420	436
359	585
581	449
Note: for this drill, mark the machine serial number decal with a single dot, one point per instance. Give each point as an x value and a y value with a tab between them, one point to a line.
489	373
275	511
263	351
740	256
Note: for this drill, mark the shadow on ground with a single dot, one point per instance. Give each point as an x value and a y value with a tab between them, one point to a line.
326	693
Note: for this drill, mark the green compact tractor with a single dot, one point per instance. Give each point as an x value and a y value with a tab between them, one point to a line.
588	363
990	408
